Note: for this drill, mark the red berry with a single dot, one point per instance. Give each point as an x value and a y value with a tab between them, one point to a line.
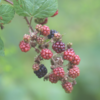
53	78
45	31
67	87
69	54
45	21
76	60
38	27
70	49
24	46
56	13
58	47
59	72
35	67
74	72
26	38
46	53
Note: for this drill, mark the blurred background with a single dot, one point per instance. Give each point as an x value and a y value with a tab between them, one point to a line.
79	21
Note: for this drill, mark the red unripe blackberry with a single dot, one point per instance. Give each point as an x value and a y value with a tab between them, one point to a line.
26	38
35	67
46	54
67	87
24	46
45	31
56	13
45	21
70	49
59	72
53	78
41	72
74	72
57	37
58	47
69	54
38	27
76	60
51	35
40	40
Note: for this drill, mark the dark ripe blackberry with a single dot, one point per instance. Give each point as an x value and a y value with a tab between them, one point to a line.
51	35
41	72
58	47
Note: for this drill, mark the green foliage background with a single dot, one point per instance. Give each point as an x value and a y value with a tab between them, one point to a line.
79	21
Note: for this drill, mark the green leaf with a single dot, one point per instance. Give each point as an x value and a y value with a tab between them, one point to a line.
6	13
24	7
36	8
1	48
45	8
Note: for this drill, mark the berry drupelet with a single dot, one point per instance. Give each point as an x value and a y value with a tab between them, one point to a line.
41	72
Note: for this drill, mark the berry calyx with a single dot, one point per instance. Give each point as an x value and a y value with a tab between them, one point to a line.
53	78
41	72
35	67
39	20
51	35
74	72
58	47
68	54
76	60
25	47
56	13
59	72
67	87
45	31
46	54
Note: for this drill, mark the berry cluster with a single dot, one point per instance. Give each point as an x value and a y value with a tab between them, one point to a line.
39	41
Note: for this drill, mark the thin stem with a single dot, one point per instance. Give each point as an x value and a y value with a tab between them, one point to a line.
31	20
29	24
9	2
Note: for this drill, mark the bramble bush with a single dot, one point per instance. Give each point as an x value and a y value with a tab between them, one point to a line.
40	39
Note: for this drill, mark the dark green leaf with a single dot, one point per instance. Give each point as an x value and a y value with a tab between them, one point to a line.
24	7
45	8
1	48
36	8
6	13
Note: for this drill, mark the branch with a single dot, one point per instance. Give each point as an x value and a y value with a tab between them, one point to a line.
9	2
29	24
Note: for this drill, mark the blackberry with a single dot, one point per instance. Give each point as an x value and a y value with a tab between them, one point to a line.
51	35
58	47
41	72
